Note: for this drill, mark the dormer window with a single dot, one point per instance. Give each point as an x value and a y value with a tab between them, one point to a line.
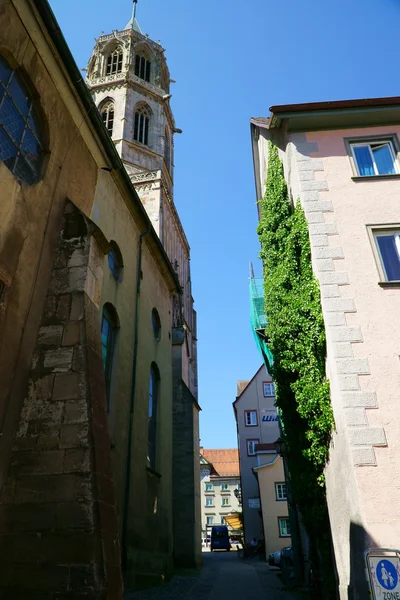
114	62
142	121
142	67
107	114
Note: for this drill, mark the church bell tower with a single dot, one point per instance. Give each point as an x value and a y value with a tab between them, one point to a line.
129	80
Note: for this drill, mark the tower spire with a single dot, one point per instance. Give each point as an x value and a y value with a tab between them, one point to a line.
133	24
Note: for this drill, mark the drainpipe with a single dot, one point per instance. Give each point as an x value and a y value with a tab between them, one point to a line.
131	407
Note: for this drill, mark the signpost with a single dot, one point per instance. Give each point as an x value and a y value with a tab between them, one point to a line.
383	571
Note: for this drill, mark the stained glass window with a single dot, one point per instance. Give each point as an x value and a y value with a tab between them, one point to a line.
21	144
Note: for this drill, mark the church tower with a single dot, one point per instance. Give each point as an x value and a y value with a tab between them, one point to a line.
130	82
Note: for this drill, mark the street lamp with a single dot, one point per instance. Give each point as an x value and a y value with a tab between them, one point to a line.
280	447
238	495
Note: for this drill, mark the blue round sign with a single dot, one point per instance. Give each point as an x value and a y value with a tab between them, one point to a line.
387	574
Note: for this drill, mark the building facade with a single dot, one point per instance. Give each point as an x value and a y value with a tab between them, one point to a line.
129	81
273	495
86	289
257	424
341	161
219	479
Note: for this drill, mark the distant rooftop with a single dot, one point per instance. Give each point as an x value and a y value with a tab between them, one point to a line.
225	461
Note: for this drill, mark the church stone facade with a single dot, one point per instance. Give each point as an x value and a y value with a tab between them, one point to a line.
129	81
98	410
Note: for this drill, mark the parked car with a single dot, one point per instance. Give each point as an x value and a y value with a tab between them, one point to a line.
220	538
274	559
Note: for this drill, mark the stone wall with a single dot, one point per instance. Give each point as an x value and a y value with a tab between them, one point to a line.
58	525
186	472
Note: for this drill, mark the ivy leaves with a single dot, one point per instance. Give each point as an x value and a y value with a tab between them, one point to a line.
296	337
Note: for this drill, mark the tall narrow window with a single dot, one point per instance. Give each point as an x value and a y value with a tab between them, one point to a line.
114	62
109	329
142	67
142	121
167	149
152	425
107	114
21	143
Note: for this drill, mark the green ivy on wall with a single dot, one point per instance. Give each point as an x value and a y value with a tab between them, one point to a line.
296	337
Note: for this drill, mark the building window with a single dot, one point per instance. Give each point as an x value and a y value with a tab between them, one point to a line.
142	121
114	62
209	487
284	527
154	387
21	143
387	252
269	389
225	502
374	157
251	447
209	502
109	329
156	324
210	520
250	418
224	487
223	522
107	114
142	67
115	261
281	491
167	149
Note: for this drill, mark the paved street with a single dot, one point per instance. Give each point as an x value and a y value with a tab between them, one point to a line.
224	576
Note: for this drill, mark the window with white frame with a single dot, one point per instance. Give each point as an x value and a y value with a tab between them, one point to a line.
374	157
114	62
209	487
250	418
387	252
284	526
224	487
251	447
209	501
225	502
223	521
281	491
210	520
269	389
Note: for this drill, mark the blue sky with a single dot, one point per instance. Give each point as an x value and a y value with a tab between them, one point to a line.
231	60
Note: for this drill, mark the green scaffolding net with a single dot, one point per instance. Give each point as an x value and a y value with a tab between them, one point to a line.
258	319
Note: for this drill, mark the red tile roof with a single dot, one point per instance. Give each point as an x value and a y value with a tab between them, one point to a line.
225	461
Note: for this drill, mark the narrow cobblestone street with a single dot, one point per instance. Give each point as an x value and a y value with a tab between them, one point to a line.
224	576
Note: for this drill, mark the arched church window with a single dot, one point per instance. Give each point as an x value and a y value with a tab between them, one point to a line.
107	114
114	62
167	149
142	67
142	121
21	143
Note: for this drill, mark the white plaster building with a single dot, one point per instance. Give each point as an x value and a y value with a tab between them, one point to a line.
129	80
342	162
257	427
